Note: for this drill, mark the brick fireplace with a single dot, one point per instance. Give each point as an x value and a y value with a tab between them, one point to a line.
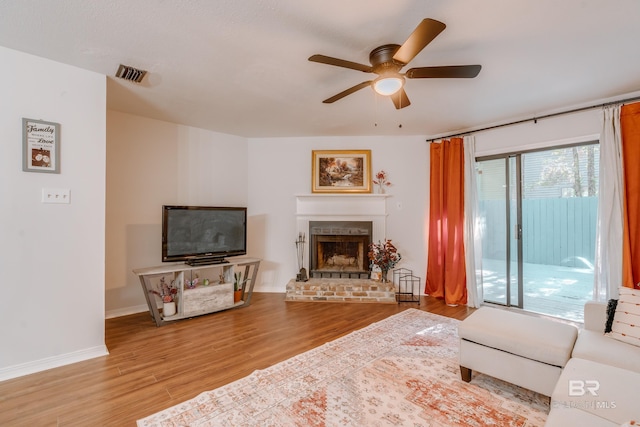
338	208
340	228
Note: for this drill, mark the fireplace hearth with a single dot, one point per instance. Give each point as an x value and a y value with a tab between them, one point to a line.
338	249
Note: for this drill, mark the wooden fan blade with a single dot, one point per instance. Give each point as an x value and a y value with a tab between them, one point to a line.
340	63
446	72
349	91
400	99
424	33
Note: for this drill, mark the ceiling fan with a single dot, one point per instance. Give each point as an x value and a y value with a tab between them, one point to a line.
387	61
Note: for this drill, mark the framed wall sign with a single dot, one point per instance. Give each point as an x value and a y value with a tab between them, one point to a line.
40	146
341	171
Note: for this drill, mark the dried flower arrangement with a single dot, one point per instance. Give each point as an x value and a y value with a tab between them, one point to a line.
167	292
384	255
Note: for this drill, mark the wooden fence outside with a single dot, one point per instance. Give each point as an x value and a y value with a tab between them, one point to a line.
555	231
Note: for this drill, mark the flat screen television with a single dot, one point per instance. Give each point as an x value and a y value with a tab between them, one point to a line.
203	234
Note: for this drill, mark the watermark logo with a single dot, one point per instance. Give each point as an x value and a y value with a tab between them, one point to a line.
584	395
579	388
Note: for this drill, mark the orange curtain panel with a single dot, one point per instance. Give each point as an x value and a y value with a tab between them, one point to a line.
630	130
446	277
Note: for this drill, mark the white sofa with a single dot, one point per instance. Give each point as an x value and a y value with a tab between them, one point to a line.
600	384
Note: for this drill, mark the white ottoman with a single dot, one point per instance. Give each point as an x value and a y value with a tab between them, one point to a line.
524	350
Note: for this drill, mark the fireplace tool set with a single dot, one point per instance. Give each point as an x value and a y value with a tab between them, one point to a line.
302	275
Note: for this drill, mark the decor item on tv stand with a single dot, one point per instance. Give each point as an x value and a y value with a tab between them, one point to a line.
238	285
198	289
167	293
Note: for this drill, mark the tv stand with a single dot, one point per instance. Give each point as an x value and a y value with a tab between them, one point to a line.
200	289
206	261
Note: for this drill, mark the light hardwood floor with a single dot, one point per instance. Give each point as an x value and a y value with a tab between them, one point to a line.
150	368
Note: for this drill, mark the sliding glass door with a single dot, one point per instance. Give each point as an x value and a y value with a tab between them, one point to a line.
498	209
538	215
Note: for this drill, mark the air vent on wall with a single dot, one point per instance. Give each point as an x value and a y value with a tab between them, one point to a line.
129	73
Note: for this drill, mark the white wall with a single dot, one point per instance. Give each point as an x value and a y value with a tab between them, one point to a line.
280	168
558	130
51	256
151	163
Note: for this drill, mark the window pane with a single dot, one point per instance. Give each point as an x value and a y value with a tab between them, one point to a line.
559	208
491	181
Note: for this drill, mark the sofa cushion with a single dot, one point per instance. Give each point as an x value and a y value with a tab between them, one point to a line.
535	338
597	346
626	322
595	316
611	311
602	390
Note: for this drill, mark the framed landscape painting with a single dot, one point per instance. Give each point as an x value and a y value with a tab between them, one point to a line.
341	171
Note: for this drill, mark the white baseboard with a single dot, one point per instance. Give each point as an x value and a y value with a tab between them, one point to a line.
52	362
126	311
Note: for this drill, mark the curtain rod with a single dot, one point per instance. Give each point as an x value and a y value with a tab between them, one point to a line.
535	119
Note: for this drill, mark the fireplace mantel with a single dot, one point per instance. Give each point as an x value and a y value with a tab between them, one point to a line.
341	204
342	207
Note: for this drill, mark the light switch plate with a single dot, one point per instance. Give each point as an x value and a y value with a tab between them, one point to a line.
56	195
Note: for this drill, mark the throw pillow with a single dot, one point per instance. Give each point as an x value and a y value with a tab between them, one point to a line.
611	311
626	322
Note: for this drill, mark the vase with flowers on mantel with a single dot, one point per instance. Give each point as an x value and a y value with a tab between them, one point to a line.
381	181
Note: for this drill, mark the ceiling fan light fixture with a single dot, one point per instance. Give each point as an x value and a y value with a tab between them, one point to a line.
388	59
388	84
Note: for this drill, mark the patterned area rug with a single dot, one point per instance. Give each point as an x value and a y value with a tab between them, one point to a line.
401	371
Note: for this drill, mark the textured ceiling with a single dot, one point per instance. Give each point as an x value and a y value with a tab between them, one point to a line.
240	67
